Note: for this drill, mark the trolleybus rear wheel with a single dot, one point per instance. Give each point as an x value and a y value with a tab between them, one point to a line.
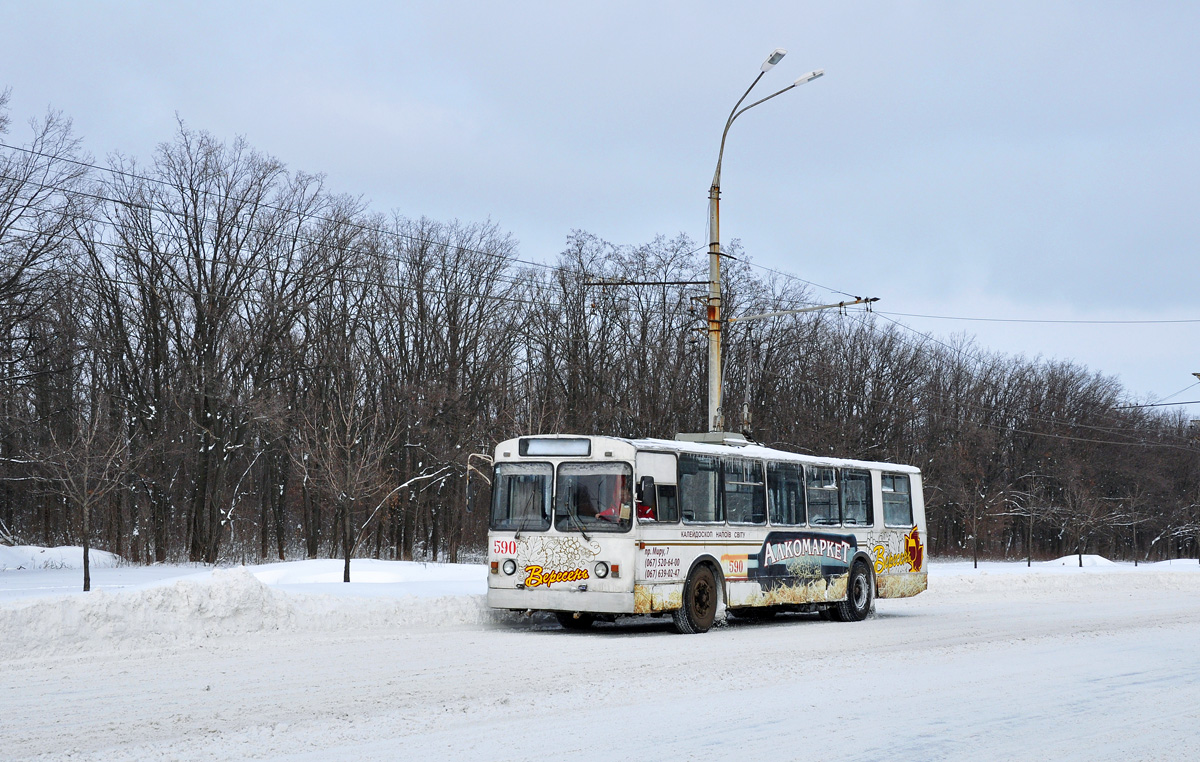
859	595
699	610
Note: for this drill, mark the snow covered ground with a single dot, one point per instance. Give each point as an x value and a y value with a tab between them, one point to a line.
22	557
283	661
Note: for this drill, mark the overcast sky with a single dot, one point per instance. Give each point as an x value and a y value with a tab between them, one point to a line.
1032	160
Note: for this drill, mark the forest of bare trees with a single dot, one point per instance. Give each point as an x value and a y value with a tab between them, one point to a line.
207	356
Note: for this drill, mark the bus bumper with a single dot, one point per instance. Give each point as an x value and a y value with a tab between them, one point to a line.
560	600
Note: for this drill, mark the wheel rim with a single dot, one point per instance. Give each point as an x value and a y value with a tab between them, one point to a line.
860	592
702	598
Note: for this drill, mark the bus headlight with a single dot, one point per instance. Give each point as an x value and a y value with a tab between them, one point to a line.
601	570
510	566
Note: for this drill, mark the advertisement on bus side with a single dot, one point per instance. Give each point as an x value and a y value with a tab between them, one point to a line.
789	557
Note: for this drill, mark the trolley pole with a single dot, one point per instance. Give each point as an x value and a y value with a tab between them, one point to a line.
716	422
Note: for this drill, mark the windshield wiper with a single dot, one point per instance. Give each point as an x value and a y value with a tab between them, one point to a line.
521	526
527	514
573	516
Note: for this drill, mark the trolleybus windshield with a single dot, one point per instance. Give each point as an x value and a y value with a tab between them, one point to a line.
521	497
594	497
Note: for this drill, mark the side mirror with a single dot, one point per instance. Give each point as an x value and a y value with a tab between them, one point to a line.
646	494
479	482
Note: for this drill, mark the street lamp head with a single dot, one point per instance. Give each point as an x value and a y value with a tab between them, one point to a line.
809	77
776	56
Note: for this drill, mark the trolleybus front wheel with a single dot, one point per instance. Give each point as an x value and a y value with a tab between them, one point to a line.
859	595
699	610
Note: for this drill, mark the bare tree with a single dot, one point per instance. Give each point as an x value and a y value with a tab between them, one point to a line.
38	205
343	451
83	465
275	357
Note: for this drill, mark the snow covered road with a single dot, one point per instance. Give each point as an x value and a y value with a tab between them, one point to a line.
1094	666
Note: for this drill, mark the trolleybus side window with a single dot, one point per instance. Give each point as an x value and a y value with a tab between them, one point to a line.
897	500
521	497
700	488
823	501
856	499
668	504
785	483
594	497
745	492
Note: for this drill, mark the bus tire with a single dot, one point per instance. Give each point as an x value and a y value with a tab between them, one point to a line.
574	621
700	598
860	594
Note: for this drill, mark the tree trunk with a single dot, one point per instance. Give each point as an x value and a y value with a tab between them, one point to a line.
279	503
87	568
435	534
347	541
1029	543
158	518
312	521
265	489
975	539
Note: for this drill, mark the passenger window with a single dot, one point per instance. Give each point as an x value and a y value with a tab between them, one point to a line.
897	500
785	485
700	488
822	496
745	495
668	504
856	499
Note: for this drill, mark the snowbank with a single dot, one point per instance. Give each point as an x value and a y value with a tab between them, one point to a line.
373	578
18	557
237	601
1097	576
1080	561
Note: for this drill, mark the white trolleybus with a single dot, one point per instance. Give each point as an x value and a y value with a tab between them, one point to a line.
594	528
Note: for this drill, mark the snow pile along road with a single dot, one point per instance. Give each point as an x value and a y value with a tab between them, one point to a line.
21	557
303	597
1063	578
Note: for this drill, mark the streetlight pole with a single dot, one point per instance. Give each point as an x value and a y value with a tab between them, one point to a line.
715	416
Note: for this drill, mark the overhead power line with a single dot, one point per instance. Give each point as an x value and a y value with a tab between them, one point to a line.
431	241
1176	394
506	258
225	197
926	336
1039	320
